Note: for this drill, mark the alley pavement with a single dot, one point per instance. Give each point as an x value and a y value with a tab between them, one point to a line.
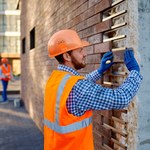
17	129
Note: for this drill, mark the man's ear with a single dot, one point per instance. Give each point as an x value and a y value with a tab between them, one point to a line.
66	57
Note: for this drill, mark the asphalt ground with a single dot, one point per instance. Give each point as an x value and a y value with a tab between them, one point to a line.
17	129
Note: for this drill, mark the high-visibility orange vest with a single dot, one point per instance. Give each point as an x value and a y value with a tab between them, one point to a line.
6	71
0	69
62	130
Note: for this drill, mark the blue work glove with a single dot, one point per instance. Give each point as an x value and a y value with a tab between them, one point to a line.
130	61
104	65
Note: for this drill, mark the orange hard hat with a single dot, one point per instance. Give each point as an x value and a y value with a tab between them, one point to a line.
63	41
4	60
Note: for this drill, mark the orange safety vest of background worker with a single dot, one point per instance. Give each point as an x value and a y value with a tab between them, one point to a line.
76	131
6	72
5	76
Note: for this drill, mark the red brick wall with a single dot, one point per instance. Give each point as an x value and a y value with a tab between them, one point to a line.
49	16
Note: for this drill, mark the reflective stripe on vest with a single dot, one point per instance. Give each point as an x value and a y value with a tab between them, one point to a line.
68	128
59	93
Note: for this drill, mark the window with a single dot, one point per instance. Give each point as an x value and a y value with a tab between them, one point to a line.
32	38
23	45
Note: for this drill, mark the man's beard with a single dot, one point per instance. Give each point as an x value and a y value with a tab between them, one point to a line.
76	64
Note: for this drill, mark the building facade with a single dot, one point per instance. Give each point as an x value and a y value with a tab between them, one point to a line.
10	33
106	24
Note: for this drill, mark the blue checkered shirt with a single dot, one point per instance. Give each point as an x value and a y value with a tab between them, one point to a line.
87	95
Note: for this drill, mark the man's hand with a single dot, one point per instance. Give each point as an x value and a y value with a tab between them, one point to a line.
103	64
130	61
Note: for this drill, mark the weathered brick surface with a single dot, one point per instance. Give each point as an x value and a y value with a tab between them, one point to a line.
118	56
102	5
49	16
93	2
93	59
95	39
88	13
102	26
103	47
88	32
93	20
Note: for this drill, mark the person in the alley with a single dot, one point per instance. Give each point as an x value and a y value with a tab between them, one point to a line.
5	76
70	98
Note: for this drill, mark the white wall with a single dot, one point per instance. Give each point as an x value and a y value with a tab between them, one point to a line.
143	134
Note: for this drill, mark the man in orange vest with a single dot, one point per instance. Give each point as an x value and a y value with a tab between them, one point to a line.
5	76
70	97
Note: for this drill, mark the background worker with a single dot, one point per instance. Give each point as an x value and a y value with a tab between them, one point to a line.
5	76
70	98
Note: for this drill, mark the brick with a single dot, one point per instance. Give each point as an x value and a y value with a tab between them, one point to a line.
81	35
81	9
103	131
102	26
97	117
89	49
97	140
106	113
102	47
102	5
93	20
88	13
93	2
92	59
95	39
117	113
88	32
118	67
82	25
76	20
75	4
118	56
